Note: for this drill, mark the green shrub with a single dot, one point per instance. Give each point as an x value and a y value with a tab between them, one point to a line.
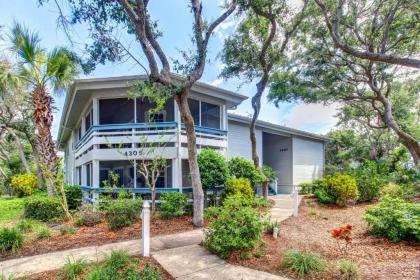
213	168
237	227
24	184
73	196
67	230
25	226
369	179
407	191
72	269
123	212
305	188
43	232
88	215
395	219
10	239
172	204
211	213
242	168
239	186
43	209
302	263
260	202
348	270
338	188
343	188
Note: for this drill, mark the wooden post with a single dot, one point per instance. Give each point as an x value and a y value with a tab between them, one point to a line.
145	215
295	201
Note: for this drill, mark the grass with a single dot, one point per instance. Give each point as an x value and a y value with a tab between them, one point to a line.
303	263
43	232
11	208
72	269
348	270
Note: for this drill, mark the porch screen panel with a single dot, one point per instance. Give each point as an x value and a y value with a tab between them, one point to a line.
210	115
116	111
195	110
143	106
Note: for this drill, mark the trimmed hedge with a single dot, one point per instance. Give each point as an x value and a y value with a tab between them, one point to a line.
43	209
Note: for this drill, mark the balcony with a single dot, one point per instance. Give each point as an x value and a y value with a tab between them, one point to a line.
124	140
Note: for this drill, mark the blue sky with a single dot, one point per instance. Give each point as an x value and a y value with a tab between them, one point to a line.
174	21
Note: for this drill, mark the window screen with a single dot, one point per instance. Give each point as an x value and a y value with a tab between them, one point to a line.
143	106
210	115
116	110
195	110
88	121
88	174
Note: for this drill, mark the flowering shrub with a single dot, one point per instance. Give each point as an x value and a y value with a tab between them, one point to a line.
343	188
24	184
342	235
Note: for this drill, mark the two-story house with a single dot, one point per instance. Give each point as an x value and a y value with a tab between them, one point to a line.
102	130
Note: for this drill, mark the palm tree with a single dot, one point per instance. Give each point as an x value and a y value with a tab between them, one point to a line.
43	72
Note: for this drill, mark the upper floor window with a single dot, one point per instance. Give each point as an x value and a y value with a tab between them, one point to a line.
116	111
205	114
143	107
88	120
210	115
195	110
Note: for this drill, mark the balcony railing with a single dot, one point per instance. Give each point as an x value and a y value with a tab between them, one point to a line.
132	133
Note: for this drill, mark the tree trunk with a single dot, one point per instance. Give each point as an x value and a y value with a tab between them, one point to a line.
153	194
256	105
20	150
46	149
198	194
406	139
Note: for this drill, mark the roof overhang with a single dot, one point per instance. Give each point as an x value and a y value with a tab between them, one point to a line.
81	90
283	130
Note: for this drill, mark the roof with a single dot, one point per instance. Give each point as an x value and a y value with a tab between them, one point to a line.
75	97
278	128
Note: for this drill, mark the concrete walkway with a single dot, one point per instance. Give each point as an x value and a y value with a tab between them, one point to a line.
194	262
35	264
179	254
282	208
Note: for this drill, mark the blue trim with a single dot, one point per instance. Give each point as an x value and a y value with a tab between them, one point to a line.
142	190
210	130
132	190
123	126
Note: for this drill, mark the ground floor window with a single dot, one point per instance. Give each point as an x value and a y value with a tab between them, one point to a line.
88	168
122	173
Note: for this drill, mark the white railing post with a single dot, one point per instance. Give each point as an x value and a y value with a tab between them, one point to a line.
295	201
145	215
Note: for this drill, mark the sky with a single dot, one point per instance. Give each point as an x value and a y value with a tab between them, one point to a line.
174	20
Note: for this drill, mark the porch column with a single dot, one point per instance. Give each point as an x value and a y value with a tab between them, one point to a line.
95	180
95	111
176	162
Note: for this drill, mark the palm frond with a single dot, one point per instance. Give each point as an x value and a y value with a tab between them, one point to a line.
25	44
62	67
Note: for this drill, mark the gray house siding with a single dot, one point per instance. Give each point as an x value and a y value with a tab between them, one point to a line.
239	143
308	160
278	154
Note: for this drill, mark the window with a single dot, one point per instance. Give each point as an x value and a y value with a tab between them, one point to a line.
79	132
88	174
195	110
116	110
88	120
210	115
156	117
143	106
79	175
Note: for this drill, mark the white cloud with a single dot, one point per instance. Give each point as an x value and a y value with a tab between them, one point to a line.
313	117
217	82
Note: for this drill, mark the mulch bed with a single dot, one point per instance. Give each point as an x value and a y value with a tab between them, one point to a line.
98	235
55	274
377	257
